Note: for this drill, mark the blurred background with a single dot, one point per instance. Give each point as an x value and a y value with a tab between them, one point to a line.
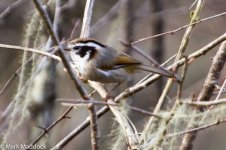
112	22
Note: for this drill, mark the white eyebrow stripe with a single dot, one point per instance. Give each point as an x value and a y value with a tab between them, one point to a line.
70	46
90	44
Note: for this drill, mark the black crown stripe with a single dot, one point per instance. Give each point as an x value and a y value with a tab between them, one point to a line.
93	41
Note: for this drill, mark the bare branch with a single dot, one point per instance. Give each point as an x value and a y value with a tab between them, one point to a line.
111	14
10	9
206	103
31	50
15	74
52	125
180	84
144	112
75	29
87	18
214	73
74	102
56	122
171	32
197	129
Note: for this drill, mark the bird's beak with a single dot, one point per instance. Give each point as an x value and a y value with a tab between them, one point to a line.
65	46
67	49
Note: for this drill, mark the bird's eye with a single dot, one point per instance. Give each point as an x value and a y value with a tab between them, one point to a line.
76	47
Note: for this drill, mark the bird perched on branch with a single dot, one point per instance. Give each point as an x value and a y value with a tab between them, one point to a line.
98	62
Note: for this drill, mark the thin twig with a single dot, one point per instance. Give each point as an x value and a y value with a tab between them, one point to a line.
221	90
52	125
75	29
206	103
31	50
81	127
206	126
144	112
10	9
110	15
15	74
180	84
193	4
178	29
74	103
56	122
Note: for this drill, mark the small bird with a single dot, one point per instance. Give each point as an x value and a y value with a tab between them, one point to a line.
98	62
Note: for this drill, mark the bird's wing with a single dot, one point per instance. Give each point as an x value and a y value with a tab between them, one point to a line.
124	59
121	61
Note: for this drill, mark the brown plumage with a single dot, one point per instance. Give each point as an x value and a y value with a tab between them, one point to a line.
99	62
